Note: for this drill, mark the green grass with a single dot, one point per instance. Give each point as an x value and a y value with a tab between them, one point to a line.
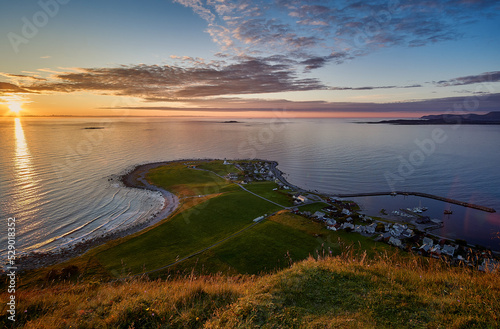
184	181
272	245
186	233
347	291
218	167
265	247
366	284
265	189
330	240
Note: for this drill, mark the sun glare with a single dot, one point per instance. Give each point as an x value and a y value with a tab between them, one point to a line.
15	107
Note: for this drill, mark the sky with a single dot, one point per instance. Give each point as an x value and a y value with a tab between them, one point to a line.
304	58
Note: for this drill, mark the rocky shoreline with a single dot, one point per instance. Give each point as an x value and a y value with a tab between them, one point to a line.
134	178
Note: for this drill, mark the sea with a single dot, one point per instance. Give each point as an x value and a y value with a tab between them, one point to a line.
58	174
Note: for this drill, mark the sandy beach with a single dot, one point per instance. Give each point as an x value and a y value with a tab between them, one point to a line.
135	178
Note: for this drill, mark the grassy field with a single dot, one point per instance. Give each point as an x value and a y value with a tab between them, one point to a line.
183	181
190	231
309	277
272	245
347	291
218	167
313	207
265	189
201	222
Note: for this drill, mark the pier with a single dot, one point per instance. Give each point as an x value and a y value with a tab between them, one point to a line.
279	175
424	195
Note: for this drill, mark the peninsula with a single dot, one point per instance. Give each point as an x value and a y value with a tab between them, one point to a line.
492	118
241	247
213	205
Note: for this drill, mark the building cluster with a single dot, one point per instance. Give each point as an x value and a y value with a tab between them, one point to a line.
253	171
342	215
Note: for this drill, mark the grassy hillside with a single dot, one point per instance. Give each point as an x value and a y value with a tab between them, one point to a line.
286	271
217	214
336	292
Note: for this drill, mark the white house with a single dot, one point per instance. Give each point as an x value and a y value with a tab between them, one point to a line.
319	214
359	229
331	222
346	212
395	242
302	198
347	225
448	250
370	229
428	241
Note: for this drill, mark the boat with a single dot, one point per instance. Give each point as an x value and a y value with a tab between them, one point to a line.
448	212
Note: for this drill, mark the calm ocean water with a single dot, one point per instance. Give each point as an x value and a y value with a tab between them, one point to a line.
54	173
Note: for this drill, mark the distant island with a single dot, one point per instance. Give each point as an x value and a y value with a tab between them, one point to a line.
231	121
492	118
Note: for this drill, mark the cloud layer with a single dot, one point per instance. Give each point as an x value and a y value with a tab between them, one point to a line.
172	83
319	31
457	105
273	47
486	77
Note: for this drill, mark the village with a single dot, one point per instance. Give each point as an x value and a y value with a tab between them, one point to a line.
345	215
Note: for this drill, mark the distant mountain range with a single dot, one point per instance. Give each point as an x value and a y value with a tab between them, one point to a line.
492	118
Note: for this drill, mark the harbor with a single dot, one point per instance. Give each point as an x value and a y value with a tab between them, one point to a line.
424	195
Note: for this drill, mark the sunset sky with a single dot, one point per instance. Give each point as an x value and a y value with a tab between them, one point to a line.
249	58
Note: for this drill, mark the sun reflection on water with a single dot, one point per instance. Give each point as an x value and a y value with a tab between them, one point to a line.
26	182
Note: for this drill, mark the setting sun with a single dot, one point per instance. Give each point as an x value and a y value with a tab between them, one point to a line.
15	107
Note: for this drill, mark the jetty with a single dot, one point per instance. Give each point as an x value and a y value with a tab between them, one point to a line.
424	195
279	175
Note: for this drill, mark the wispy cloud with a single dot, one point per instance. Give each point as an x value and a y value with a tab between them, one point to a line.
311	30
485	103
374	87
173	83
9	88
18	77
486	77
194	81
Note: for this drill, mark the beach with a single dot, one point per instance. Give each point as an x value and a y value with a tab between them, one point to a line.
134	178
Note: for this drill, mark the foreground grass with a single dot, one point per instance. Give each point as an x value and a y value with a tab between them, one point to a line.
339	292
367	288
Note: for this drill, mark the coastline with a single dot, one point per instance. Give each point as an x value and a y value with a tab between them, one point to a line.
133	178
